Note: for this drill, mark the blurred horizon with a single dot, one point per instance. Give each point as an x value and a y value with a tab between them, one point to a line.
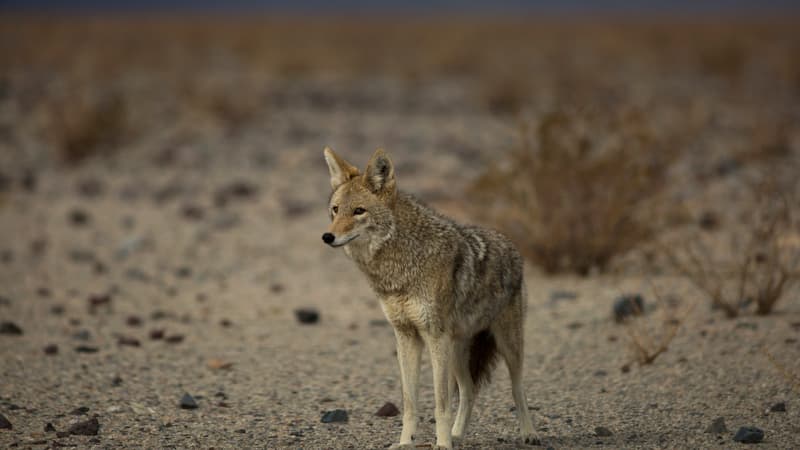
322	7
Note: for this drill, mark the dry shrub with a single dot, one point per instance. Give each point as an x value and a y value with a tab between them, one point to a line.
650	337
757	264
84	124
583	190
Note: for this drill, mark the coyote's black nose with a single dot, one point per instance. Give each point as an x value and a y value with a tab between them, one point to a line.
328	238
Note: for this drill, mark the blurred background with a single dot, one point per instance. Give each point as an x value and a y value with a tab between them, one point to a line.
163	193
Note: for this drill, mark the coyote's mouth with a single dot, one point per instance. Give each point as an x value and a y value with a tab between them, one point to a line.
339	244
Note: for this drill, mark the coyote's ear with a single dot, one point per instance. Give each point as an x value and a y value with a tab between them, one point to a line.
341	170
379	176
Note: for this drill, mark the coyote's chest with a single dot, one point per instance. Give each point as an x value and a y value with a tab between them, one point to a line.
407	313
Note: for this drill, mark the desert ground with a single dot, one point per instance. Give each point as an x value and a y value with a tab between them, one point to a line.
163	193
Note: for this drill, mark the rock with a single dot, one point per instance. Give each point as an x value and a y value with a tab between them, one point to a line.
128	341
307	315
192	212
156	334
225	323
10	328
79	411
708	221
628	305
335	416
778	407
51	349
749	435
217	364
49	428
78	217
57	310
4	423
174	339
133	321
717	426
388	410
86	349
188	402
183	272
98	300
116	381
602	432
86	428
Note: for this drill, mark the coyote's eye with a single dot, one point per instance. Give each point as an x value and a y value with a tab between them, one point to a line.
359	211
335	209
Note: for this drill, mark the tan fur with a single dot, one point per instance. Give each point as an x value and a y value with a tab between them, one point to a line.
440	284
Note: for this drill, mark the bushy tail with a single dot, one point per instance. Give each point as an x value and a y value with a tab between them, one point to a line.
482	357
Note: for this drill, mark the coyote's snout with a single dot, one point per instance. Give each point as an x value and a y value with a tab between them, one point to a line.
456	289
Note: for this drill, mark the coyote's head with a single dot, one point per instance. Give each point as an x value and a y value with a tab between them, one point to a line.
360	206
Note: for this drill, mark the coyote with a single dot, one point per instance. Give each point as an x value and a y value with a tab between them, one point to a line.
454	288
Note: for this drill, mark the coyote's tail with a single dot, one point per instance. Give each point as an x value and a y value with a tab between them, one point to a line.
482	357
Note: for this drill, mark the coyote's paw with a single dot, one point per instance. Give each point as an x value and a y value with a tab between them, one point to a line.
531	439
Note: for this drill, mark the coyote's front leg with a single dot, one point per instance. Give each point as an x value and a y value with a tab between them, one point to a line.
441	349
409	350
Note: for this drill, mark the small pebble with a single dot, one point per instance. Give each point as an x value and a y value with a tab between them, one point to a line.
86	349
628	305
188	402
307	315
337	415
78	217
49	428
133	321
388	410
79	411
10	328
157	334
51	349
128	341
86	428
4	423
602	432
174	339
749	435
778	407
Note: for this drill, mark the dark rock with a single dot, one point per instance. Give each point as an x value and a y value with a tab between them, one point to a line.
708	221
337	415
717	426
628	305
183	272
43	292
86	349
4	423
174	339
778	407
388	410
128	341
307	315
602	432
749	435
98	300
116	381
80	411
192	212
78	217
277	288
600	373
86	428
157	334
574	325
51	349
10	328
133	321
188	402
57	310
49	428
90	188
225	323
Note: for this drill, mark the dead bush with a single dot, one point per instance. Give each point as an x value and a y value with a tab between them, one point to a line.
649	337
755	265
83	124
578	191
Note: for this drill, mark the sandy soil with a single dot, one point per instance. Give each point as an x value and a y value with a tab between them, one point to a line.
217	241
